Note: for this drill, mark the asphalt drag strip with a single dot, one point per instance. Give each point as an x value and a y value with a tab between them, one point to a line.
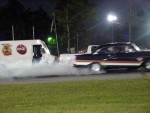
115	75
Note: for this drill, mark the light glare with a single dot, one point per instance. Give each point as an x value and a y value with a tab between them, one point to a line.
112	18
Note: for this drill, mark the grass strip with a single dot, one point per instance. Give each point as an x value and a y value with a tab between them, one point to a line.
108	96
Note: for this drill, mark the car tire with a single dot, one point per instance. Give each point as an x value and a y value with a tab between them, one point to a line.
147	65
95	67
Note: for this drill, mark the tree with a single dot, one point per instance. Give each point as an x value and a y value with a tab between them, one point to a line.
11	14
71	16
23	21
42	23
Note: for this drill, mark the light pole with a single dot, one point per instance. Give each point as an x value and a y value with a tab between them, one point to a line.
130	30
13	37
111	18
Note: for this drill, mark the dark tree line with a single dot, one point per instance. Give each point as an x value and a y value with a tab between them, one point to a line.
71	18
23	21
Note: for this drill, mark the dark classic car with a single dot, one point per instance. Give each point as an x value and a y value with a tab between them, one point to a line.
114	55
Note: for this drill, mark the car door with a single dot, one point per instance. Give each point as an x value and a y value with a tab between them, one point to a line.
125	57
106	56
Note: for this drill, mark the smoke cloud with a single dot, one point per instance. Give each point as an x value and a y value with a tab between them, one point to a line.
20	70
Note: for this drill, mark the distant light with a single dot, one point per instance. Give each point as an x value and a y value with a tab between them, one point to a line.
111	18
49	39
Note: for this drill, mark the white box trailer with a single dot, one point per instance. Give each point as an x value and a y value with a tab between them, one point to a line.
25	51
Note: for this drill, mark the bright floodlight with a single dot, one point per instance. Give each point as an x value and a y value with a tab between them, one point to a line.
112	18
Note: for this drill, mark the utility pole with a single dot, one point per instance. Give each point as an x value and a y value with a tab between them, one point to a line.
56	34
13	37
77	50
112	31
68	28
130	30
33	33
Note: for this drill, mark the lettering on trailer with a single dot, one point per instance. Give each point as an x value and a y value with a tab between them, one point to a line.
21	49
6	49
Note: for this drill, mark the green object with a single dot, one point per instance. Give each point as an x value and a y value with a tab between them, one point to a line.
51	40
95	96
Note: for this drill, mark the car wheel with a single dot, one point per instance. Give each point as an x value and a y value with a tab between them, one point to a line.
147	65
95	67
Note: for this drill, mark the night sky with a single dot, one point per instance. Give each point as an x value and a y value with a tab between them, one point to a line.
107	4
33	4
103	6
